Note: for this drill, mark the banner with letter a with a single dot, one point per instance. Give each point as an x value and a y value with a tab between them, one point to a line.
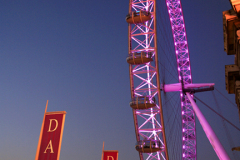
50	138
110	155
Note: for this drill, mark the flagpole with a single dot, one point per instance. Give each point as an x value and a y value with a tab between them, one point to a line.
102	150
60	142
40	136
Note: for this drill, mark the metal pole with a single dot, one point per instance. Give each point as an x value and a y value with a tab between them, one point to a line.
41	132
216	144
102	151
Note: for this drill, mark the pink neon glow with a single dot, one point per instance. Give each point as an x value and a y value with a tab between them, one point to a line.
216	144
178	86
143	78
184	70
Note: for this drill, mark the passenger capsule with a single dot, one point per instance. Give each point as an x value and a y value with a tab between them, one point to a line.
138	17
142	102
137	58
148	146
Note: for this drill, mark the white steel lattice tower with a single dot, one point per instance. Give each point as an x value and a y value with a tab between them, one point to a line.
144	80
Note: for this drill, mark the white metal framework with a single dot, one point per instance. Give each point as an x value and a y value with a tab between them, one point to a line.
145	85
144	79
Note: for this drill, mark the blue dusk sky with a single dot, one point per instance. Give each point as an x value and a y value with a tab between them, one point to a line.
73	53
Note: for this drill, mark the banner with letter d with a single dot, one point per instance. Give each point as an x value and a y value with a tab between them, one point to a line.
110	155
50	139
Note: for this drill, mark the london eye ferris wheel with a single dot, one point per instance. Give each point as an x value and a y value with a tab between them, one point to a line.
145	83
146	88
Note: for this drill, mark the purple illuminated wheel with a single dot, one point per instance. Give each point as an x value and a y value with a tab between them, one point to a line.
184	76
145	85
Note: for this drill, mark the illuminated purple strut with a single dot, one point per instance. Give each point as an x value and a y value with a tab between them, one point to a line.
188	105
184	73
187	89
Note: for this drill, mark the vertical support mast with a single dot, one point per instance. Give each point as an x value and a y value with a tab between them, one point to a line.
41	132
184	73
216	144
144	80
188	90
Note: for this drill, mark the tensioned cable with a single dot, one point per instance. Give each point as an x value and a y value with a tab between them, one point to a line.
174	138
230	141
168	69
176	128
226	98
217	113
173	124
163	14
167	38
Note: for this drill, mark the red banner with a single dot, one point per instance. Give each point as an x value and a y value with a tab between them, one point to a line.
51	136
110	155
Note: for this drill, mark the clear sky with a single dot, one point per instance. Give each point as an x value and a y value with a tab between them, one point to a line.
73	53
